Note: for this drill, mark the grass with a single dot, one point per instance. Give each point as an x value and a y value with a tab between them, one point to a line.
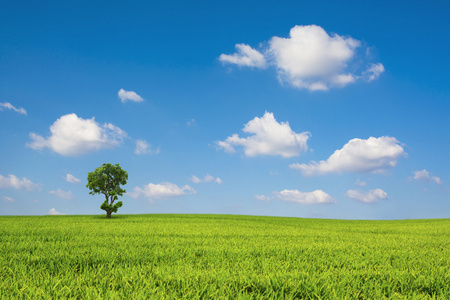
222	257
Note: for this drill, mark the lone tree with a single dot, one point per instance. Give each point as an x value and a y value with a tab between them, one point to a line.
106	180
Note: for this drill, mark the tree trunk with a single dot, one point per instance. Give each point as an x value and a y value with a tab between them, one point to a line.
108	213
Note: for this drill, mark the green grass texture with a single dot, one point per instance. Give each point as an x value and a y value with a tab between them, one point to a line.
164	256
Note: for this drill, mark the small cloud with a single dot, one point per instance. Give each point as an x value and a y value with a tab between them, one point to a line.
195	179
62	194
14	182
53	212
129	96
374	71
8	105
9	199
245	56
360	183
374	155
163	190
369	197
262	198
268	137
425	176
207	178
191	122
142	147
72	179
315	197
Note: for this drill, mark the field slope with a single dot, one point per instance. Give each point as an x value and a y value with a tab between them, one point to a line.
222	257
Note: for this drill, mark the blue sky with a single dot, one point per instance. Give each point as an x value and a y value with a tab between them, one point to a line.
308	109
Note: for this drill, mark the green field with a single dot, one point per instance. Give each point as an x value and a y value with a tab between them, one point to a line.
222	257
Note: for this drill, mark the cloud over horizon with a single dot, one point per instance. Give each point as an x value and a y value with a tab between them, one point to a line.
62	194
12	181
54	212
267	137
315	197
374	155
367	197
162	190
310	59
74	136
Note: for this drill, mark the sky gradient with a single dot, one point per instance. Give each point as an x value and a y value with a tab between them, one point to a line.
304	109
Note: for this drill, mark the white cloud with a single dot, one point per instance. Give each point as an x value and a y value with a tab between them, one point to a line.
13	181
129	95
425	176
72	179
9	199
360	183
245	56
8	105
160	191
73	136
268	137
310	56
315	197
142	147
53	212
262	198
195	179
310	59
207	178
374	71
62	194
372	155
369	197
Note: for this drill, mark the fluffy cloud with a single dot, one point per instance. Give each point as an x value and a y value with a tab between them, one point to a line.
62	194
369	197
8	199
8	105
310	59
372	155
207	178
245	56
268	137
315	197
142	147
13	181
73	136
425	176
129	96
72	179
160	191
53	211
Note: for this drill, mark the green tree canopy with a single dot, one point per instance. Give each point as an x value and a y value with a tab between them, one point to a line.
106	180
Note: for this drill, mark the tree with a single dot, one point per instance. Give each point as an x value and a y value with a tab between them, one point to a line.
106	180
